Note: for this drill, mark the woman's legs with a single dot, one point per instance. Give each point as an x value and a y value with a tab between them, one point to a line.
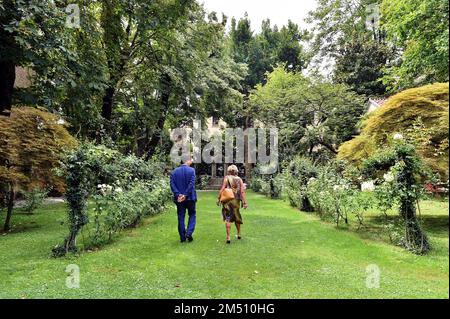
228	226
238	228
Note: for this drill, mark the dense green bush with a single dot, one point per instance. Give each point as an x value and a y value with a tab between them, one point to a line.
203	181
124	189
295	182
335	196
117	209
267	184
421	115
401	175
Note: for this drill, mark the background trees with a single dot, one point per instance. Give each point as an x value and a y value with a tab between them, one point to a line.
33	34
347	34
420	115
378	46
314	117
32	143
420	30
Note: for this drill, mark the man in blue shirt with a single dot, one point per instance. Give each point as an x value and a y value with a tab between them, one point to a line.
182	183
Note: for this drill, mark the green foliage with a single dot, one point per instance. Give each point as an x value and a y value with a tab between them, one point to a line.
117	209
32	144
263	51
337	22
335	196
296	176
34	199
421	30
126	188
359	51
313	117
203	181
402	185
420	115
270	185
360	64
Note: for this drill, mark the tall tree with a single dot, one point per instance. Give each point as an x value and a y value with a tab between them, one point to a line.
421	30
188	75
129	32
32	33
314	117
347	33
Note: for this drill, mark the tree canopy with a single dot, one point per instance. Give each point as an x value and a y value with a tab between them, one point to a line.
312	115
32	142
421	30
420	115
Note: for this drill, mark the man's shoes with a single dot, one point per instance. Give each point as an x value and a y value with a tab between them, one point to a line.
189	238
182	240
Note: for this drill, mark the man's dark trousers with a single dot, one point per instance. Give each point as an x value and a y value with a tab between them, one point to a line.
188	205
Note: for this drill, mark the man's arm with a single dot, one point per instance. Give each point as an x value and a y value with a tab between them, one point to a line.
191	185
173	187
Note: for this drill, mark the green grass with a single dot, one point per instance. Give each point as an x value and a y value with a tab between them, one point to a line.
283	254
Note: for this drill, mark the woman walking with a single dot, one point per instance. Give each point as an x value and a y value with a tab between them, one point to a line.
230	209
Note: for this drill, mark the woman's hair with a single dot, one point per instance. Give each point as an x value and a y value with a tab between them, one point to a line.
232	170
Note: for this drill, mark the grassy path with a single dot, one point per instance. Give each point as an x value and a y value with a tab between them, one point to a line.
283	254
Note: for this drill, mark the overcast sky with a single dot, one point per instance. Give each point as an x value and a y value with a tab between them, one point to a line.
278	11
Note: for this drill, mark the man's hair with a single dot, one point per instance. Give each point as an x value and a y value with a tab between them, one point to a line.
186	158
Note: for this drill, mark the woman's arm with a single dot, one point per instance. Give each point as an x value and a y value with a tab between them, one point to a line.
224	185
243	195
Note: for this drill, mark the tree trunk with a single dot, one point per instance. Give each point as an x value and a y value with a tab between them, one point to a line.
166	86
415	239
108	100
306	205
10	208
7	79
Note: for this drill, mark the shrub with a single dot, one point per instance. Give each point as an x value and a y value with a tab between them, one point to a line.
267	184
295	181
400	172
256	184
34	199
116	209
335	195
203	181
124	189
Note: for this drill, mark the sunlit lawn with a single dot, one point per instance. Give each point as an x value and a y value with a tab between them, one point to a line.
284	253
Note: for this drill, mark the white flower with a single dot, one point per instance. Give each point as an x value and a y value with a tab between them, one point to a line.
398	136
388	177
119	189
368	186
